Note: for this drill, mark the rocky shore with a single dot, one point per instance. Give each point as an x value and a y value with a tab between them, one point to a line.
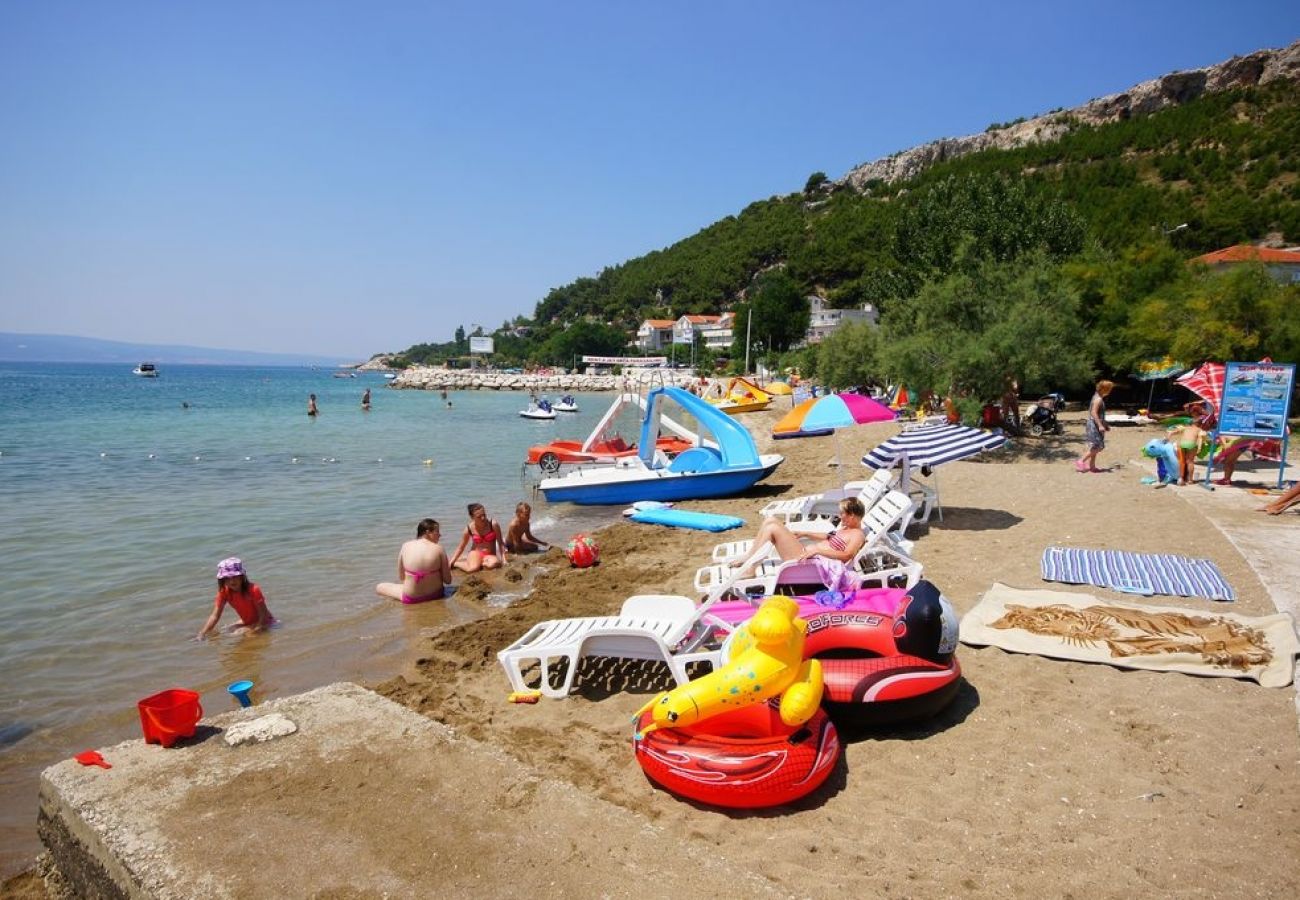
428	378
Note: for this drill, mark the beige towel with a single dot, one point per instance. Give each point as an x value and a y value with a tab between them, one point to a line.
1066	625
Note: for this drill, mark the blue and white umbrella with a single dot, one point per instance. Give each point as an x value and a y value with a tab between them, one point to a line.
932	445
929	446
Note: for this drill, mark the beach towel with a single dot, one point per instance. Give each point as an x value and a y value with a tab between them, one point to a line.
1137	573
1081	627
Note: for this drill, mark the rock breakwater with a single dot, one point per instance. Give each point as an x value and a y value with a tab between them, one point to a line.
427	378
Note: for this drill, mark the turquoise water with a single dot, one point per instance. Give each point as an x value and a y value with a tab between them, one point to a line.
119	501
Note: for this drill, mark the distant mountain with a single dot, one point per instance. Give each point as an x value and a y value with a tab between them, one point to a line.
16	347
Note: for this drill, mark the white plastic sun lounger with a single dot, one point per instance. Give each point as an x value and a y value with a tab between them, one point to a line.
665	627
879	560
821	507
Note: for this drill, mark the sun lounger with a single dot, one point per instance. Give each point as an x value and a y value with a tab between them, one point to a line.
879	561
669	628
822	507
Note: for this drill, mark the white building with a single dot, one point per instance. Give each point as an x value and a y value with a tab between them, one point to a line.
824	319
654	334
714	330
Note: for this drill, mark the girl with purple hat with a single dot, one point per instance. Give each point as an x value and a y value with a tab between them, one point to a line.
234	588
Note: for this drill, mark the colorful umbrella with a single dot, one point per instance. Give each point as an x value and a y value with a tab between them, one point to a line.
1206	382
822	415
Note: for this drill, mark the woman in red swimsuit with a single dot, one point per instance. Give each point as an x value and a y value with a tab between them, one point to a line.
485	540
423	572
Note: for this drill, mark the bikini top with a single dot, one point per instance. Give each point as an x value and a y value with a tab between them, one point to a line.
489	539
836	542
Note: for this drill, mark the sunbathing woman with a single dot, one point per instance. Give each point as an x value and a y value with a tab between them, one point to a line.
841	545
422	569
1284	502
485	540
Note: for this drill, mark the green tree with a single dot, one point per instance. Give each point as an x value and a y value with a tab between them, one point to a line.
779	313
815	183
460	338
969	332
592	338
848	357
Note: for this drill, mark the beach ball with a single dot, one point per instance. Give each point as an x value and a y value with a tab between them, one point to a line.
582	551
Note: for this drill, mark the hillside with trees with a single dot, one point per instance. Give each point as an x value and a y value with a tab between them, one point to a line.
1053	262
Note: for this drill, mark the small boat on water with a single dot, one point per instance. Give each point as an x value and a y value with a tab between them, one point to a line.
390	375
741	396
345	374
727	466
566	404
604	446
538	409
145	370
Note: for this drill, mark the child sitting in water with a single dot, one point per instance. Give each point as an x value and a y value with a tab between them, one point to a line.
234	588
519	535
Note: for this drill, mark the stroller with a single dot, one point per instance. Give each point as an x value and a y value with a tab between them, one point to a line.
1042	418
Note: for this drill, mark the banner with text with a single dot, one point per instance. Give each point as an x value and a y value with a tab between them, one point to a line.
625	360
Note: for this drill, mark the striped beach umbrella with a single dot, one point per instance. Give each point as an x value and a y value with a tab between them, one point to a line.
822	415
932	445
1206	382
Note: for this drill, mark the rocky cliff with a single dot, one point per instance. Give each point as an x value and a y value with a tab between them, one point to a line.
1259	68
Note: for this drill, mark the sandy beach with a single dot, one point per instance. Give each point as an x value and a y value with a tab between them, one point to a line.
1043	777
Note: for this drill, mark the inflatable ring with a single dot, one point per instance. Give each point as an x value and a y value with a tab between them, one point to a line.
746	758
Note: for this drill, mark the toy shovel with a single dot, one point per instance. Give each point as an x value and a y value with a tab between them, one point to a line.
92	758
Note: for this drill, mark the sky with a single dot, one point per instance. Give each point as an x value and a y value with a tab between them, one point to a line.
352	178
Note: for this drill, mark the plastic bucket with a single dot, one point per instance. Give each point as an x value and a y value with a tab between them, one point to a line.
168	716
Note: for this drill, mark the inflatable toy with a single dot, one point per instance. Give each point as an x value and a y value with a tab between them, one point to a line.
746	758
582	551
762	659
887	655
1166	456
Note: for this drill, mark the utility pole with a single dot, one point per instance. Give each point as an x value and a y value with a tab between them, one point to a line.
749	329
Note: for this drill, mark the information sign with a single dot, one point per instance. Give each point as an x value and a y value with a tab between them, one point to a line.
1256	399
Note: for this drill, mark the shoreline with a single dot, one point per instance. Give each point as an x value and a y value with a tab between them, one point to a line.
431	378
1027	742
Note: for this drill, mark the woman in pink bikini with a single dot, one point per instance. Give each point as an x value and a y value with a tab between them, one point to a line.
422	569
485	540
841	545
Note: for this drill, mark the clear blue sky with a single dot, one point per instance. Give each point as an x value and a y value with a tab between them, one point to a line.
349	178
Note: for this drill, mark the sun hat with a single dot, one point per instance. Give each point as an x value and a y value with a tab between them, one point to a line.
230	567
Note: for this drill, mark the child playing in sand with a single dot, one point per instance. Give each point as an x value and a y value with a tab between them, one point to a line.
234	588
519	535
1190	440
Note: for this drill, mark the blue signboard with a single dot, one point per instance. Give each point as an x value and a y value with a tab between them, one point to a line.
1256	399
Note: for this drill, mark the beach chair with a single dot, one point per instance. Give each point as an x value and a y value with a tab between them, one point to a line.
663	627
814	522
880	560
820	507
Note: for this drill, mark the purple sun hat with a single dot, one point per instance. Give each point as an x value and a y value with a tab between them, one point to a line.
230	567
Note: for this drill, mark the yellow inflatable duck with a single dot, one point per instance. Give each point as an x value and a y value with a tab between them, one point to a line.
764	659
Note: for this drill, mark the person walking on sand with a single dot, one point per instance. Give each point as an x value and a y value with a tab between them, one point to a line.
365	401
519	535
234	589
1095	428
485	540
423	572
311	405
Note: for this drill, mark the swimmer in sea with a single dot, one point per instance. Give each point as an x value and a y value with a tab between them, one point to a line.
423	572
311	405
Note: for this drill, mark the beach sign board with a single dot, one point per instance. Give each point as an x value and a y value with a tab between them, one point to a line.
1256	399
481	345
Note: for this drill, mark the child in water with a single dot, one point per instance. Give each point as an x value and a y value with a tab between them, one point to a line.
234	588
519	535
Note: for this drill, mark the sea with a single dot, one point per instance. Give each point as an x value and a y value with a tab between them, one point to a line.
120	494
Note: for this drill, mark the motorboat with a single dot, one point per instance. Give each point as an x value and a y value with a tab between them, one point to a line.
727	464
345	374
741	396
390	375
145	370
605	445
538	409
566	404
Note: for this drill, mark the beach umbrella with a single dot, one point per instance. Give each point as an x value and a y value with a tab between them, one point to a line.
1154	370
932	445
1206	382
822	415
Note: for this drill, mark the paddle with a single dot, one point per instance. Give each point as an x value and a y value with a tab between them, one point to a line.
92	758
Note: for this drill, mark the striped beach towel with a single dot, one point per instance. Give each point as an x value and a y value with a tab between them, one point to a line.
1137	573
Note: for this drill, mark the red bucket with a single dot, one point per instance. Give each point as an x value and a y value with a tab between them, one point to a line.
169	716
